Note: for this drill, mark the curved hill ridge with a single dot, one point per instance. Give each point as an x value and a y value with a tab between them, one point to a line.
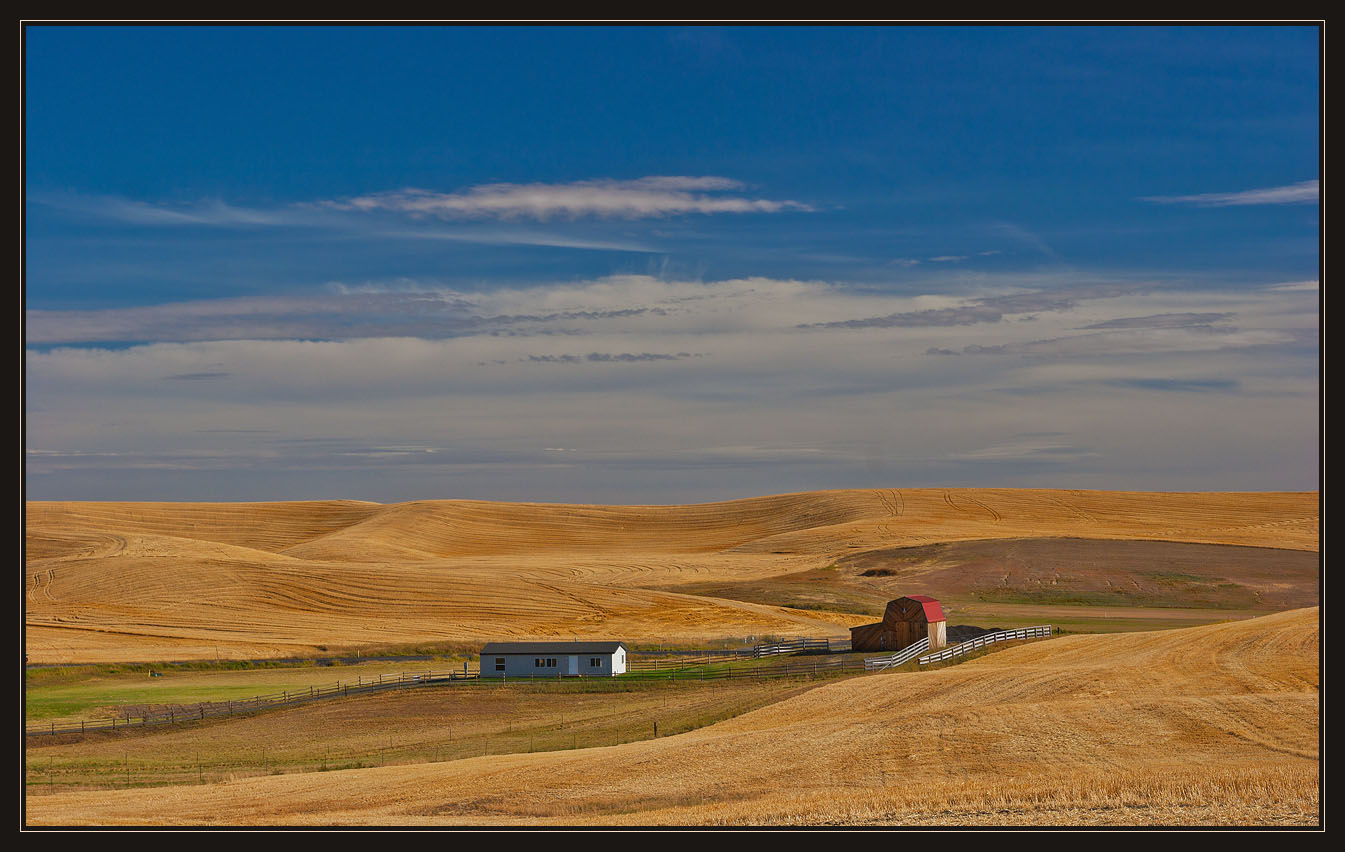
64	528
154	581
435	528
1208	725
810	521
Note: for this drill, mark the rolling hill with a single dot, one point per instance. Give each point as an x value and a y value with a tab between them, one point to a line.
152	581
1211	725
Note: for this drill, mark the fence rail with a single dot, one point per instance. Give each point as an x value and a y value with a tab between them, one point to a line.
173	713
743	673
765	649
792	646
686	661
878	664
700	670
979	642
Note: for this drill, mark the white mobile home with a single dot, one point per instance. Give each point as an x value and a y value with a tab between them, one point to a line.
553	659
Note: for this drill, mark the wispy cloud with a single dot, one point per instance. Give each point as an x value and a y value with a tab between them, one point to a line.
343	313
209	212
668	370
1174	320
1026	237
609	358
1140	341
1177	385
322	217
1303	192
988	310
515	238
943	258
642	198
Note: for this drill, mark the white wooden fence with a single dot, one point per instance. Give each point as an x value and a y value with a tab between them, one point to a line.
877	664
791	646
967	647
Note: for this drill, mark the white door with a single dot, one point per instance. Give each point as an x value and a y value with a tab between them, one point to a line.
573	667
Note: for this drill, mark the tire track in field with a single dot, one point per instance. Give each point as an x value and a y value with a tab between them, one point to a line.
895	506
995	517
1072	509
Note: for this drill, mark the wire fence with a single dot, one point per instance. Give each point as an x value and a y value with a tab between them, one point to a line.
172	714
756	652
717	666
176	766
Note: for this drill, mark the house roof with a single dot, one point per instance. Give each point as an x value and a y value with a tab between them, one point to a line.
552	648
933	611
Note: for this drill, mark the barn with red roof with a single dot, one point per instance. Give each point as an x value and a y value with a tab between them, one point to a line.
906	621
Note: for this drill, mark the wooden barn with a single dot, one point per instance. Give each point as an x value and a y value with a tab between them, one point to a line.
906	621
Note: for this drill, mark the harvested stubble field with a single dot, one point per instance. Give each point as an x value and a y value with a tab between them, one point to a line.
1216	725
429	724
70	694
111	582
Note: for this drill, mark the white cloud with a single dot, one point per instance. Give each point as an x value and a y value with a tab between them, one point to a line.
323	217
602	198
756	404
1304	192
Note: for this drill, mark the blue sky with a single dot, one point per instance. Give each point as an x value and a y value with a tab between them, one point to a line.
668	264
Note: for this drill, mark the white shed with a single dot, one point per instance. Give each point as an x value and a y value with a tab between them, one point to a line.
553	659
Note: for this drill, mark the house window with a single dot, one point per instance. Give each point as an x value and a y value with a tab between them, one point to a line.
499	664
595	662
544	663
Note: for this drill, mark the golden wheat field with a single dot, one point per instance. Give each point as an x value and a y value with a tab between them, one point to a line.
1211	725
154	581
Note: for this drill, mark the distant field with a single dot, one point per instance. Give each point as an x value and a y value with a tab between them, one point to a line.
114	582
1094	584
1210	725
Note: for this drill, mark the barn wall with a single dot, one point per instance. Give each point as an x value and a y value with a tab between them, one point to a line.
866	637
938	634
885	637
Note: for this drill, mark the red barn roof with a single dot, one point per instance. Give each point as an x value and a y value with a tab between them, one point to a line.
933	611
